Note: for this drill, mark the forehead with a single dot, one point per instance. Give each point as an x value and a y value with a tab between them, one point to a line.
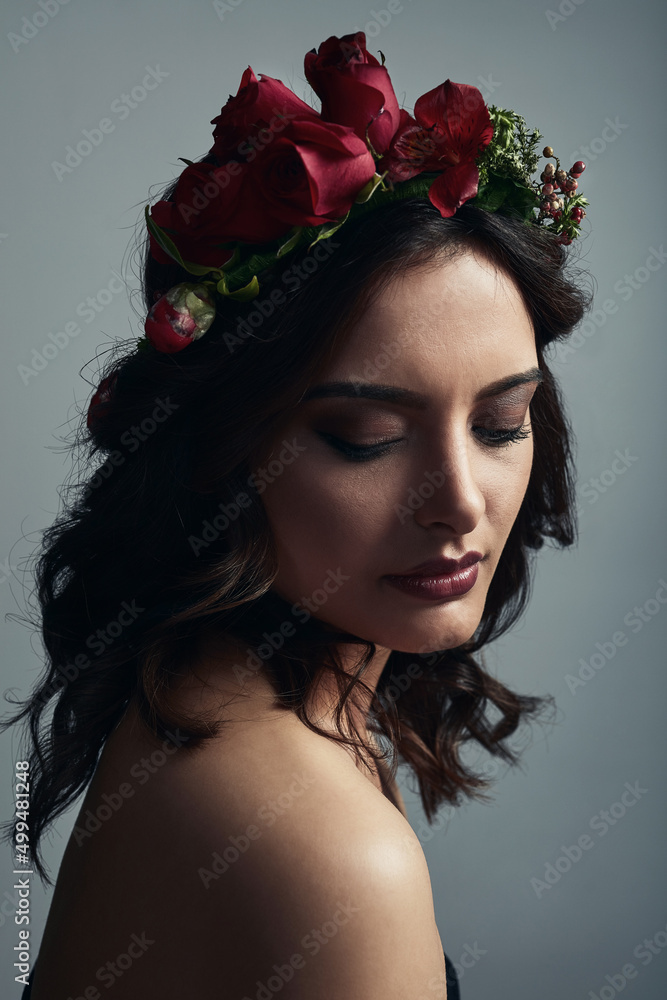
458	316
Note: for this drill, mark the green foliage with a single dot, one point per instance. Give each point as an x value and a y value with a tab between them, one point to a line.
512	153
505	193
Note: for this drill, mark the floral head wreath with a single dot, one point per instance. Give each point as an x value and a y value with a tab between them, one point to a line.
281	175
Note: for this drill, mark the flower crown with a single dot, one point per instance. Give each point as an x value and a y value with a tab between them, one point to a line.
281	175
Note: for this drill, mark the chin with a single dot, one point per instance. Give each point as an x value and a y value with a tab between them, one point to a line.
417	637
425	644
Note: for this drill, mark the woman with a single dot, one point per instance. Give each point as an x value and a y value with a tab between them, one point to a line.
325	470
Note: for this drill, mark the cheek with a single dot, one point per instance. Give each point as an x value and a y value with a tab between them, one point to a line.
322	518
507	487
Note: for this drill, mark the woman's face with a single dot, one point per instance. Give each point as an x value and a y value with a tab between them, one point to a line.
432	476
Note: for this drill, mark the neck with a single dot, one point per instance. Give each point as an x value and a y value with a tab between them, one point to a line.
220	657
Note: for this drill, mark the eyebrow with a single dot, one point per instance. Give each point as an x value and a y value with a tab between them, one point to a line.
408	397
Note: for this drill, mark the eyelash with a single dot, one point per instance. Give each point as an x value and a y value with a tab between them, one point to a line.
494	438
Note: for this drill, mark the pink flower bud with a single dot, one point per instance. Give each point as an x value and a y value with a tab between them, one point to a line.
181	315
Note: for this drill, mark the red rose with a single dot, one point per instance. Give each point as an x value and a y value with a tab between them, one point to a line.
450	128
213	204
299	169
290	168
195	220
354	88
309	175
247	121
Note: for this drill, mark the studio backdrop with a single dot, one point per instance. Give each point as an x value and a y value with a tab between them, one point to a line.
555	888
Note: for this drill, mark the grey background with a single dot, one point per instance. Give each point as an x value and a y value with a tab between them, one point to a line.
61	240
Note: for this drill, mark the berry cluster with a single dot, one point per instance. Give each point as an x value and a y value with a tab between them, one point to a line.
559	198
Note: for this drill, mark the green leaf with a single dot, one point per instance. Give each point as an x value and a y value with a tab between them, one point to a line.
328	229
243	294
291	242
249	291
256	262
491	196
233	260
199	268
506	193
170	248
368	189
162	239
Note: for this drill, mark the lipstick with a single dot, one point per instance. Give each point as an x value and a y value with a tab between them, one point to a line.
438	578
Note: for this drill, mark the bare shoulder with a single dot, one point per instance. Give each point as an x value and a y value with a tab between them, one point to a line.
354	916
329	880
267	854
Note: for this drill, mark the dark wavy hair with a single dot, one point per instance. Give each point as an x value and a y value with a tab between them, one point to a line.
166	534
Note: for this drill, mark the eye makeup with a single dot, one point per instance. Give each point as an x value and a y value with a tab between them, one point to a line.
499	422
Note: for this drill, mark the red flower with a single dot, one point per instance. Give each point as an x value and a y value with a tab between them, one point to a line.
309	175
247	120
195	220
298	170
291	168
181	315
99	404
450	128
354	88
212	203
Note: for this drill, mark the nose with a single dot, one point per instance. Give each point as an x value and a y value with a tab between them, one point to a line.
452	490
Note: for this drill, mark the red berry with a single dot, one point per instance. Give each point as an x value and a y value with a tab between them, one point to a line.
578	167
548	189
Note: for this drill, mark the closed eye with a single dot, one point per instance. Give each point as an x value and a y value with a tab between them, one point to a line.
495	437
359	452
499	436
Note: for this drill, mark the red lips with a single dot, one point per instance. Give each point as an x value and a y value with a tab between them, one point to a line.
443	566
